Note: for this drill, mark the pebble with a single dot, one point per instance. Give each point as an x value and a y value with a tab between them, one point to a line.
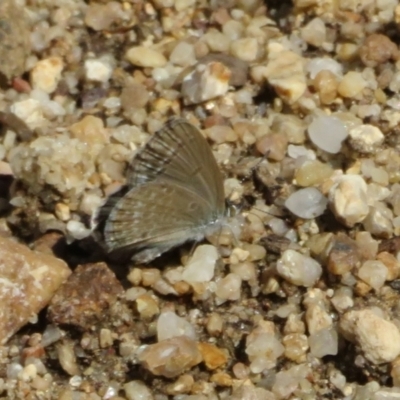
312	173
348	199
229	288
147	306
290	126
319	64
307	203
343	254
325	83
249	392
314	33
378	338
171	357
221	134
183	54
245	49
134	95
83	305
374	273
98	70
296	346
324	342
378	49
30	111
28	280
15	45
391	263
298	269
366	138
67	358
216	41
286	382
213	357
170	325
239	68
206	82
273	146
46	74
327	133
263	348
215	324
379	222
101	16
201	266
141	56
137	390
285	72
352	85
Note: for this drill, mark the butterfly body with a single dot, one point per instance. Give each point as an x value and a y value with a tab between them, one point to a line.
175	194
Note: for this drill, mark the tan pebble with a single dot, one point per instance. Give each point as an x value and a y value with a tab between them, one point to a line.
182	385
134	95
46	74
221	134
378	338
181	287
344	255
296	346
90	130
347	51
241	371
374	273
312	173
145	57
285	72
378	49
391	263
352	84
62	212
147	306
245	49
171	357
150	276
67	358
135	276
106	338
213	356
273	146
348	199
222	379
362	288
314	33
215	324
326	82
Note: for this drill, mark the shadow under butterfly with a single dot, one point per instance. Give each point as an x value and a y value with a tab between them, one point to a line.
174	194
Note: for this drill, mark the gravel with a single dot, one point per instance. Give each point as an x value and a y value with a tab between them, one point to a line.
298	296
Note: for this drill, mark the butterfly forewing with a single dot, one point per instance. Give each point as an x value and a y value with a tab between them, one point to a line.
179	153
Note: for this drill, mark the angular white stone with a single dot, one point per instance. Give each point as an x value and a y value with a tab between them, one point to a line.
298	269
201	266
348	199
366	138
307	203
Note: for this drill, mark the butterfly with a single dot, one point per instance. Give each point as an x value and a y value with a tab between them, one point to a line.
174	194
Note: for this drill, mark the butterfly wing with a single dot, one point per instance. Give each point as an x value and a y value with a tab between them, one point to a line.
155	217
180	154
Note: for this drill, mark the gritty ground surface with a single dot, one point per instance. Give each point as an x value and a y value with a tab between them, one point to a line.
300	102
